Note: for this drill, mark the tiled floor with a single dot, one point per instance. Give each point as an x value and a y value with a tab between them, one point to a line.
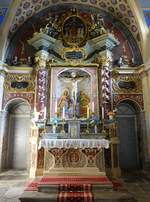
12	184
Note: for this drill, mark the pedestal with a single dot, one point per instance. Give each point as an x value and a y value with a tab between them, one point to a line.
74	128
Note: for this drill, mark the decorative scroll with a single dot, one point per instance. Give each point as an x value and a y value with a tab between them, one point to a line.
127	84
19	83
74	143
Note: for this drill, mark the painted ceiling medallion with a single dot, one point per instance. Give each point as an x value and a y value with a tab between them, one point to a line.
74	31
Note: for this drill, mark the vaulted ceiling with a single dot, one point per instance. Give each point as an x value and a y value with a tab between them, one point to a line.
118	8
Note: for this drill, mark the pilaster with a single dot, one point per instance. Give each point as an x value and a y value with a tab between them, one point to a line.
3	139
146	91
2	79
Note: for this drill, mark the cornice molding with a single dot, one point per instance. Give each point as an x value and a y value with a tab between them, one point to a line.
131	70
13	69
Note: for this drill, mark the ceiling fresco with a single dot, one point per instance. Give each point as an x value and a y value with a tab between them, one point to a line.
54	17
118	8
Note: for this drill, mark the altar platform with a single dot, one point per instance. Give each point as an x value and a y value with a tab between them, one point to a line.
74	188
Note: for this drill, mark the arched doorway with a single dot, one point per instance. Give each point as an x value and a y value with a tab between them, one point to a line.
128	133
18	133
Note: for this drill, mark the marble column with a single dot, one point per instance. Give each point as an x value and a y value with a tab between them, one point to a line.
146	91
105	86
3	121
2	79
42	58
3	139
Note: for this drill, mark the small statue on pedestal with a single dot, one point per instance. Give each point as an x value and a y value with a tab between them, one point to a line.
94	121
15	61
54	124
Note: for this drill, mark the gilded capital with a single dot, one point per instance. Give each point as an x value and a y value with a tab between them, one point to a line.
41	59
2	73
104	61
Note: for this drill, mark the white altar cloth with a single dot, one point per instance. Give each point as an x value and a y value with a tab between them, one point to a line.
73	143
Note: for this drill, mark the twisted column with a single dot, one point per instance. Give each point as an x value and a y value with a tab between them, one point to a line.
41	59
105	86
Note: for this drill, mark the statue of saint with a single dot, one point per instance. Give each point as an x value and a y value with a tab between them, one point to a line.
83	101
64	103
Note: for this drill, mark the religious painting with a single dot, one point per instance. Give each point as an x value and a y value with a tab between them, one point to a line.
75	96
74	93
74	31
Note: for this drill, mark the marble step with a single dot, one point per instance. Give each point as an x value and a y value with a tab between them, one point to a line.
46	188
101	196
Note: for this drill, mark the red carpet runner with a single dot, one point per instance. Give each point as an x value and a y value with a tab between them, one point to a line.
71	188
75	193
75	197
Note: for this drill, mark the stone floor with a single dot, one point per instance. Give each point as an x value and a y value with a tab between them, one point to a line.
12	184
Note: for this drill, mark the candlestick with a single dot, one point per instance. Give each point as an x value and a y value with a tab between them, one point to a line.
102	113
56	106
44	112
88	111
63	113
93	107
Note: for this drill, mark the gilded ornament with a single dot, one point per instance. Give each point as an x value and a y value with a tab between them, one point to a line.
41	61
19	80
127	84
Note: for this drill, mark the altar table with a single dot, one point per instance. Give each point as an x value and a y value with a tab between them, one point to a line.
74	156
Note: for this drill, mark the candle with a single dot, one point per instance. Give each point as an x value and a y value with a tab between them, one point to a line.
63	113
45	112
102	113
56	106
88	111
37	115
92	106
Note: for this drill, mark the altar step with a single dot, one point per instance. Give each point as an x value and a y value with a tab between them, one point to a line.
100	196
71	188
75	188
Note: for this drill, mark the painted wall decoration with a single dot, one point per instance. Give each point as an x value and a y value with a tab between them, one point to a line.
3	12
20	49
120	9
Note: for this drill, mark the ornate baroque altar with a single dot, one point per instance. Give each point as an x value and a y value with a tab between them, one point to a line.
73	66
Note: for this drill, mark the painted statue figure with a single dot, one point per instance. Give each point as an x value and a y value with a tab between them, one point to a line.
64	102
83	101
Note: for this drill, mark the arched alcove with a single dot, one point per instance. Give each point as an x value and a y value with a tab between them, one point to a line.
17	147
129	133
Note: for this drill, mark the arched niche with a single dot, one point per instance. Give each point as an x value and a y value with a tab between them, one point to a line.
129	129
16	146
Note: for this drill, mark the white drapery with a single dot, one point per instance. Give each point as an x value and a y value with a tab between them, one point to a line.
73	143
